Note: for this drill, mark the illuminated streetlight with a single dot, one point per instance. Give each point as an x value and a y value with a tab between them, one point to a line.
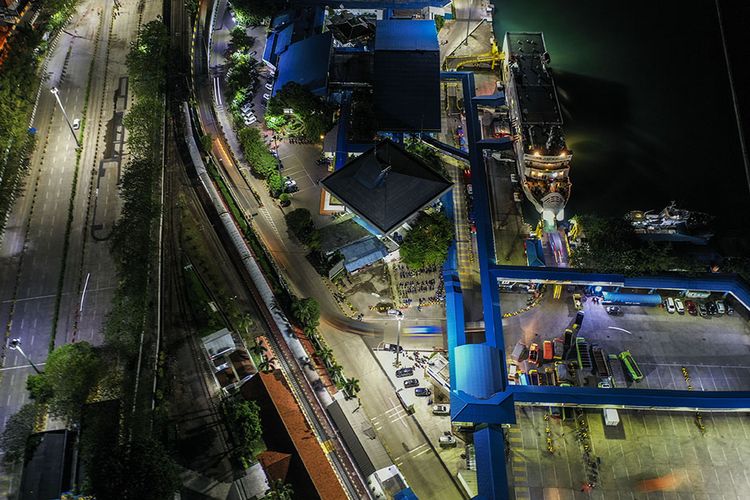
15	344
56	93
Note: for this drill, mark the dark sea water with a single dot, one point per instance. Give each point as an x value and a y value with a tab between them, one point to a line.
645	97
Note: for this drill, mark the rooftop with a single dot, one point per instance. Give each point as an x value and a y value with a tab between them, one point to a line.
386	185
407	75
306	62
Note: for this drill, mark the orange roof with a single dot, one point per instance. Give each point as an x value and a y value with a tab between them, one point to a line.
305	442
276	464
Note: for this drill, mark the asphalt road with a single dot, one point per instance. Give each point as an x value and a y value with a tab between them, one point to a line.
31	250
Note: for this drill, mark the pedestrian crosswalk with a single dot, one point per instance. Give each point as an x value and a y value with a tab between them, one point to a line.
520	479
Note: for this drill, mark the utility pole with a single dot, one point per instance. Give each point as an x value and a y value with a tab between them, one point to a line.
15	344
398	344
56	93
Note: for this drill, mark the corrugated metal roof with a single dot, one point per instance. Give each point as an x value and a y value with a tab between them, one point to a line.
306	62
362	253
406	34
646	299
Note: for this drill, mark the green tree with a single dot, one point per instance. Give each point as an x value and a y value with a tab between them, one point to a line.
16	433
279	490
336	371
314	113
306	311
262	162
275	184
256	12
427	154
257	349
300	223
326	354
266	365
240	40
243	420
351	387
428	241
143	469
71	373
147	59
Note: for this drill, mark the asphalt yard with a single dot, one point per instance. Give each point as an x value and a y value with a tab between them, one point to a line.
648	455
713	350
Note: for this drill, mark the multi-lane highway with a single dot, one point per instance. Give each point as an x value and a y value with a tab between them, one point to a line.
55	246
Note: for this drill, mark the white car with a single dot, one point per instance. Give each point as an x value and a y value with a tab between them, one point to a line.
441	410
266	97
250	120
269	87
679	306
76	124
447	440
669	304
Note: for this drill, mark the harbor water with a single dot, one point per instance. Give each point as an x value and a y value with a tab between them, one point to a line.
644	93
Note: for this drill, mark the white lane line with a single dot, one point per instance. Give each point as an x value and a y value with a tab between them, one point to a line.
422	452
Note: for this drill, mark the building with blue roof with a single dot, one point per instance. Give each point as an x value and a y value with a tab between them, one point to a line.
407	76
362	253
307	63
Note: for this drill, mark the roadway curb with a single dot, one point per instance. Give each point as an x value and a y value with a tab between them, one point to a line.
421	429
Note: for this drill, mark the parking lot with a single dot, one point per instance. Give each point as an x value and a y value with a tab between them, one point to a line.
644	452
421	408
714	350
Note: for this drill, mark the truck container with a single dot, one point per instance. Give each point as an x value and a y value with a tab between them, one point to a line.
611	417
601	366
583	354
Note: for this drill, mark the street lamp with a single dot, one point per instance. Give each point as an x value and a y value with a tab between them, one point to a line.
56	93
15	344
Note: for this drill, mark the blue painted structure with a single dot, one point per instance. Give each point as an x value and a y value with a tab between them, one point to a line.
632	299
306	62
534	253
479	391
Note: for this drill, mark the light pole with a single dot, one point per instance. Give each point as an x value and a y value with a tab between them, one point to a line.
15	344
56	93
398	344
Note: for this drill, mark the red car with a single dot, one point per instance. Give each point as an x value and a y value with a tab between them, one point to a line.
692	309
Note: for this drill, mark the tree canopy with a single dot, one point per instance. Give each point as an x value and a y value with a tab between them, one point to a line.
306	311
262	162
314	113
243	421
611	246
70	375
16	434
255	12
300	223
428	241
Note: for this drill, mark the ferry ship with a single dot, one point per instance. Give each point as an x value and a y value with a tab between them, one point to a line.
542	157
671	224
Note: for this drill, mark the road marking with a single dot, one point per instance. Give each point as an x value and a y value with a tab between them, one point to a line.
620	329
427	450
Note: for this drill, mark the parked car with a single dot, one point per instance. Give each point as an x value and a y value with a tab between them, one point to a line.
76	124
422	392
702	310
249	120
393	347
410	382
730	310
290	186
720	309
447	441
517	196
691	308
512	371
520	352
269	87
266	97
614	310
441	410
406	371
534	353
669	305
514	178
391	312
547	351
679	306
577	301
711	308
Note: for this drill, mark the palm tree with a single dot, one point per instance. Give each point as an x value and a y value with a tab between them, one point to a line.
326	354
279	490
258	349
266	366
335	371
351	387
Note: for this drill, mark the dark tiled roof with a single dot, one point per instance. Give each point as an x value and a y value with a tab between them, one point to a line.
406	34
386	185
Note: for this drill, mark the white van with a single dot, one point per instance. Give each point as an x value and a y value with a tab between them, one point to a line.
720	309
679	306
76	124
670	305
